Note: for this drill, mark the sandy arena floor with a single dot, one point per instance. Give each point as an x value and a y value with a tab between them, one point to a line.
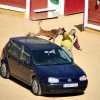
88	59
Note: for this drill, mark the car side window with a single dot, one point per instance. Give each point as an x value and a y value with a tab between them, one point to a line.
63	55
14	49
25	54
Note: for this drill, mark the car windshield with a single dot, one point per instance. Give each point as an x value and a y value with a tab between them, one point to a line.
50	57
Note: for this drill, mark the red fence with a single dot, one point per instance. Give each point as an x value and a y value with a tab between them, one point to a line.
14	3
73	6
38	4
94	13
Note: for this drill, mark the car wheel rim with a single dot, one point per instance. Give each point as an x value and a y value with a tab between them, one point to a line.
4	70
35	86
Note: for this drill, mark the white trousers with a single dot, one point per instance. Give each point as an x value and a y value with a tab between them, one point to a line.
69	52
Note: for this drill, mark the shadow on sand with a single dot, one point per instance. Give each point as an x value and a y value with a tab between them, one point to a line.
45	95
79	27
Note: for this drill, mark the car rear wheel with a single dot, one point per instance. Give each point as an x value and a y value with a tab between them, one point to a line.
4	70
36	88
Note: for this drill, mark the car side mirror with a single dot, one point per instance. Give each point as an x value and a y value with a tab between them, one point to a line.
72	59
26	62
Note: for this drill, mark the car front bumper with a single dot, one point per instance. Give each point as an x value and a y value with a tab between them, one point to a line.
59	89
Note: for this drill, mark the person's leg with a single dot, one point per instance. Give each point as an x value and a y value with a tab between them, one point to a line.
69	52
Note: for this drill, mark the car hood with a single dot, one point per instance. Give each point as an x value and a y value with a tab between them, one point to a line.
69	70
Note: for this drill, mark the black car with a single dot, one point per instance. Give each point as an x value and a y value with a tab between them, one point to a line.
43	65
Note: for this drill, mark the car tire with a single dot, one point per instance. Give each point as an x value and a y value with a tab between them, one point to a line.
4	70
36	87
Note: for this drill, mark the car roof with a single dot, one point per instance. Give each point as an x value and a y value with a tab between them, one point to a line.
33	42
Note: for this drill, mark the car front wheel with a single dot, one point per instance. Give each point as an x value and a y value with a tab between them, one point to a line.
36	88
4	70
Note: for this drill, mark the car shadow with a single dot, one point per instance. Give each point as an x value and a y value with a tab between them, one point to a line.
20	83
16	81
63	95
44	95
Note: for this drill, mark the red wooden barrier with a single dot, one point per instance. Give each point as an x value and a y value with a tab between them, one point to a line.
94	13
14	3
73	6
38	4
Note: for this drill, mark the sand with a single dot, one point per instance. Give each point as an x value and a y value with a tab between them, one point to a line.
88	59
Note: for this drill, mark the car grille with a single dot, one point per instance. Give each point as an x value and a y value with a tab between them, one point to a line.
69	90
66	80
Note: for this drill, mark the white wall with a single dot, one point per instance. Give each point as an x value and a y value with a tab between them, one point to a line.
27	12
61	7
86	13
54	13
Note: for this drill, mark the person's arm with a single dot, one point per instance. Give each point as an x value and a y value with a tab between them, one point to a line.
76	45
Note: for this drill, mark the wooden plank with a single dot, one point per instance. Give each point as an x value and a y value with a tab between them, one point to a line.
94	13
73	6
38	4
94	23
94	7
44	9
92	2
17	3
14	3
94	18
2	1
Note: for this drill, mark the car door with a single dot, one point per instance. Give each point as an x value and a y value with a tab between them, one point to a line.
14	51
24	69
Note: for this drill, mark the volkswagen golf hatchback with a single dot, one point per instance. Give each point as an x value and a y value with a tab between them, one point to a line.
43	65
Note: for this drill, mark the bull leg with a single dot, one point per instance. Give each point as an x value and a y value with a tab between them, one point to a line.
50	38
28	34
54	39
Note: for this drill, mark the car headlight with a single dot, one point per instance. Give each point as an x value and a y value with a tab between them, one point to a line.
53	80
83	78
